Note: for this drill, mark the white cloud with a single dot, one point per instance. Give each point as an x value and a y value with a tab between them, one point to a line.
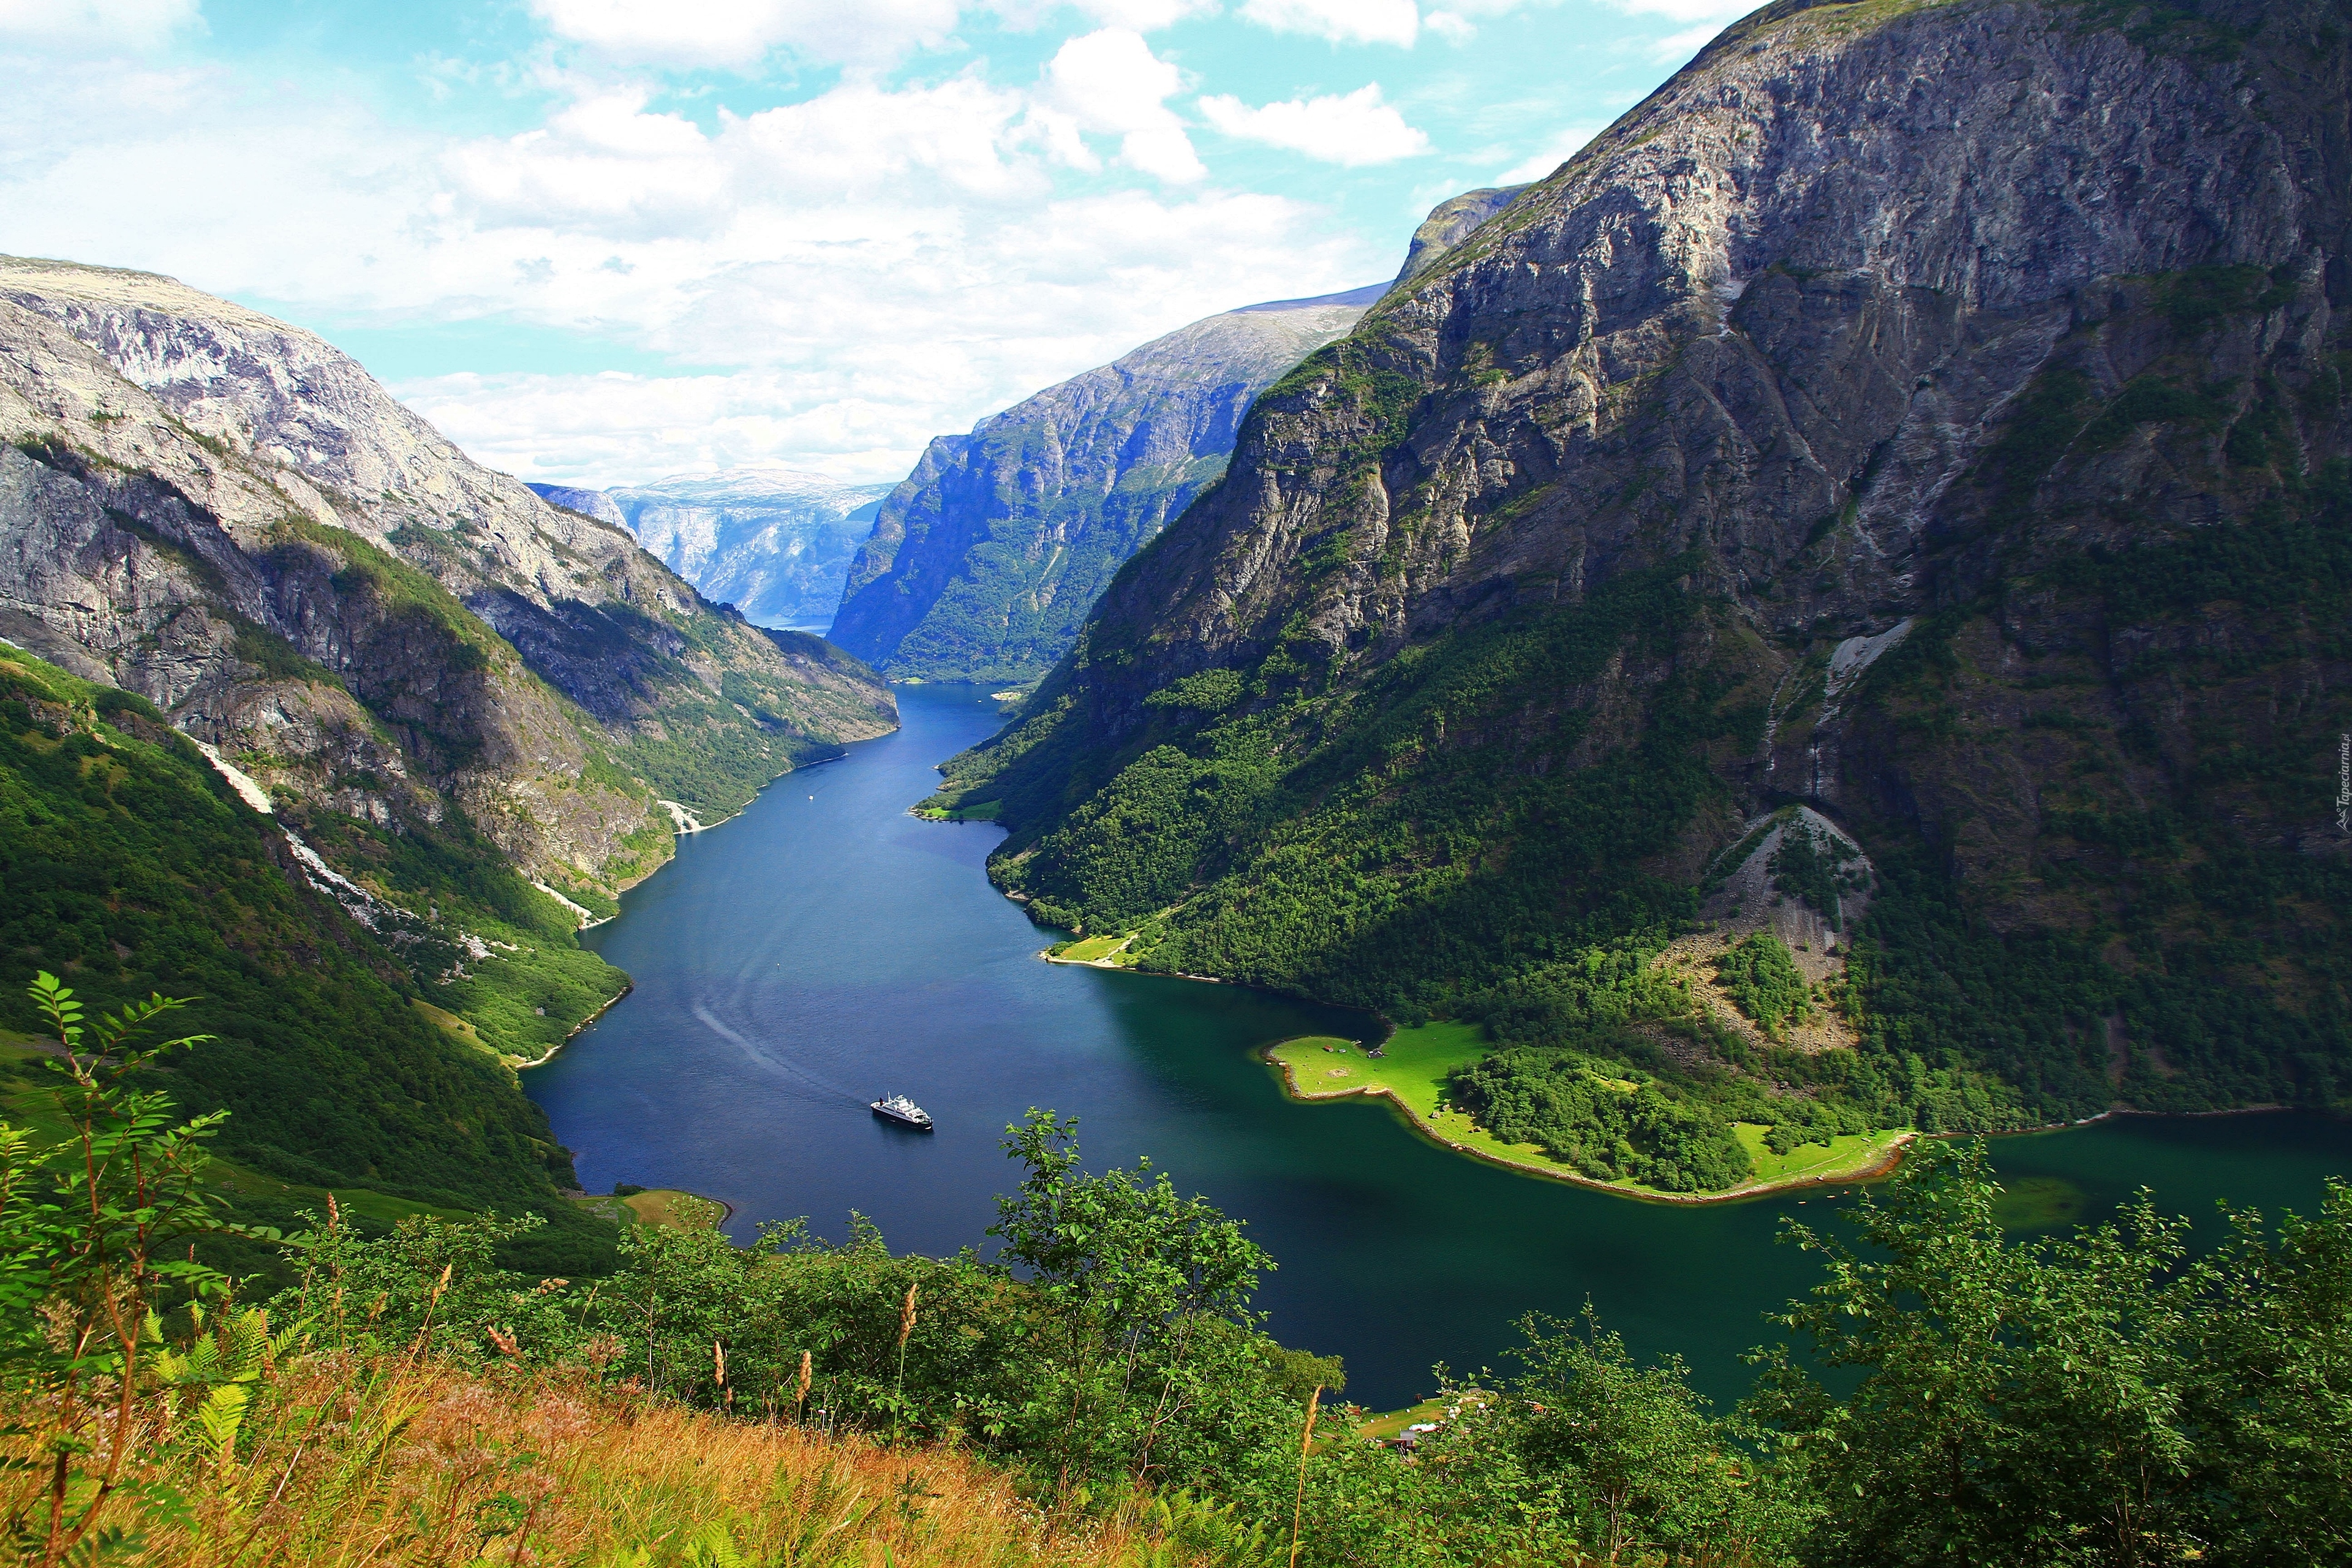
102	25
860	142
1143	16
948	323
840	278
1719	11
1451	26
1341	21
739	34
1683	45
1558	149
1706	19
1356	129
1110	82
603	164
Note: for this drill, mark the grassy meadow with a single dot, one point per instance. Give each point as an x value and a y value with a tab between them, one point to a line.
398	1461
1413	1070
1110	947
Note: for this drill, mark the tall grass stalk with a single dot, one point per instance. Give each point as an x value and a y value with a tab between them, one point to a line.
1306	1447
345	1463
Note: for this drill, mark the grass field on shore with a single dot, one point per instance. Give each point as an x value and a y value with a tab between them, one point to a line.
1412	1071
1092	949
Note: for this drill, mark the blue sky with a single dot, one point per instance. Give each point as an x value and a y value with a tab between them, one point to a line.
601	241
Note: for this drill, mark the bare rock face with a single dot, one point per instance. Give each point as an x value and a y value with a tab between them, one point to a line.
1968	379
1451	222
774	542
1804	281
586	502
229	516
983	562
1782	317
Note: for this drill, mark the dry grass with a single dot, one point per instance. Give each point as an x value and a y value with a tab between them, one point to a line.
669	1205
342	1464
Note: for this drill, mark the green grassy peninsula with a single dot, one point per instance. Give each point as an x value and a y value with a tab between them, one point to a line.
1417	1071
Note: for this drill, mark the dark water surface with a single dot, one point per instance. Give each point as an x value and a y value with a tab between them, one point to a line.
825	948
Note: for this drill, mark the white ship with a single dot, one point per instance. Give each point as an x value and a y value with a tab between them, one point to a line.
906	1112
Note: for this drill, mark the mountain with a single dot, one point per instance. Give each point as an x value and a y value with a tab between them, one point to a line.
1449	223
132	866
983	562
587	503
774	543
463	707
1932	415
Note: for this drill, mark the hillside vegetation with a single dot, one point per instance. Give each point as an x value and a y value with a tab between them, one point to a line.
450	688
1100	1391
1531	609
132	867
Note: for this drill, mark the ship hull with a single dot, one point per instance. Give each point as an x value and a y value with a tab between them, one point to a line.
894	1119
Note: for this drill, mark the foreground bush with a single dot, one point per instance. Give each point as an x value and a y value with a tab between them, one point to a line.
1102	1392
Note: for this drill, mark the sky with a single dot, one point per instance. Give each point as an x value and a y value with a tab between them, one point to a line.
600	242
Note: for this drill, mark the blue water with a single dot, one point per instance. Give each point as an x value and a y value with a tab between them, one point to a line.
825	948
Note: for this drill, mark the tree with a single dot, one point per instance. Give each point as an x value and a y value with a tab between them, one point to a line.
1632	1452
2100	1399
89	1229
2272	1391
1146	1295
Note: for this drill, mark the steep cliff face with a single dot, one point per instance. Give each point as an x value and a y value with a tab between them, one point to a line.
983	562
1932	412
462	704
774	543
229	516
1451	222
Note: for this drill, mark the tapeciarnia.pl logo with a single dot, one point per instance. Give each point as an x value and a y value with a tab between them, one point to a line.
2344	785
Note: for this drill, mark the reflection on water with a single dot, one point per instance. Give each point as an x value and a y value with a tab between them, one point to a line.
2029	1203
825	948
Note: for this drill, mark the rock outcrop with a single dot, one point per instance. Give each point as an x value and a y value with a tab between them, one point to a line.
1934	413
983	562
229	517
774	543
1451	222
587	503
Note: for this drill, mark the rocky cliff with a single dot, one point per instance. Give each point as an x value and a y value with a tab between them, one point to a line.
587	503
1451	222
983	562
774	543
451	688
1930	414
228	516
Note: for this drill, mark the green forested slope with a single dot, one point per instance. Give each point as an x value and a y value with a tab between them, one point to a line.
1486	827
129	867
1523	607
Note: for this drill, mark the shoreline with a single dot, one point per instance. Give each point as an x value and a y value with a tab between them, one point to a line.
2267	1109
610	1002
678	835
1877	1170
1050	956
701	826
576	1029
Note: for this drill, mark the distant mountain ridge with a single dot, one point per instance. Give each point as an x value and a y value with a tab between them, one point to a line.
464	705
587	503
984	562
774	542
